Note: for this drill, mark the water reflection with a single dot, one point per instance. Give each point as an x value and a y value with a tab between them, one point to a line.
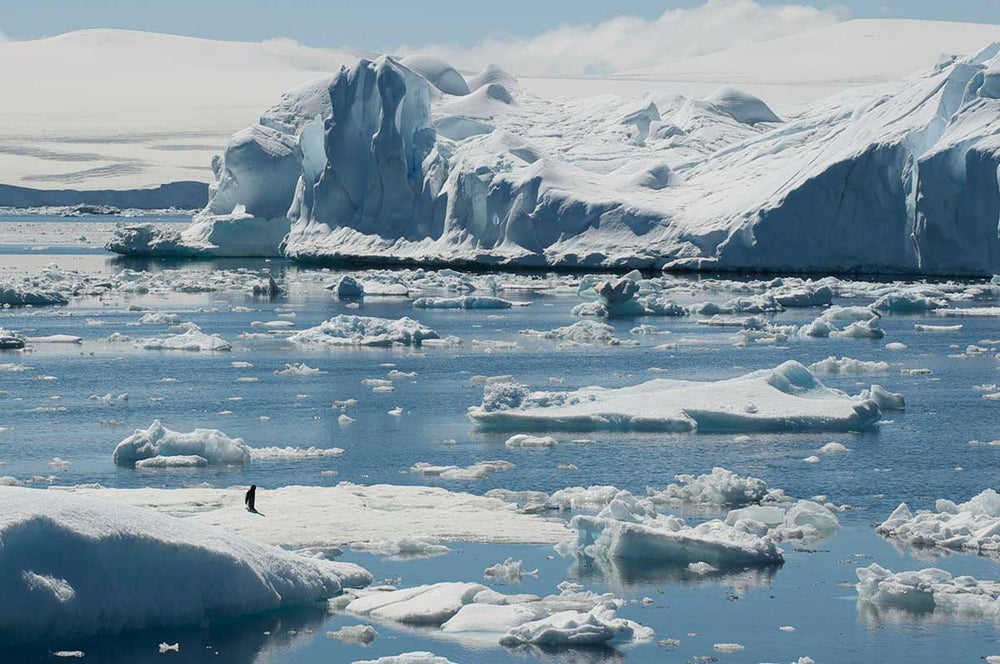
239	641
625	576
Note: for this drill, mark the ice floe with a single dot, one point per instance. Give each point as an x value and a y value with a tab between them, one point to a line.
134	568
970	526
787	398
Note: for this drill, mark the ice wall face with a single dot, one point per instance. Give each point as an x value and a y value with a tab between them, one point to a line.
375	143
386	162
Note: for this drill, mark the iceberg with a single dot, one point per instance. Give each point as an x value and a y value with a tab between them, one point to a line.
134	568
786	398
970	526
155	446
928	590
346	330
407	162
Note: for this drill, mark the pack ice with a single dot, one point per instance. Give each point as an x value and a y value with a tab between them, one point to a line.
786	398
406	161
74	566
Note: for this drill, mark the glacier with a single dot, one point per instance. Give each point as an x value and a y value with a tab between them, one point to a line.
405	161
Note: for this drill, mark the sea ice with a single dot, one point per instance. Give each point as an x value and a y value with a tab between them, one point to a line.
134	568
787	398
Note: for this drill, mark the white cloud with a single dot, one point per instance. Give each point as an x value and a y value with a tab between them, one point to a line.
625	43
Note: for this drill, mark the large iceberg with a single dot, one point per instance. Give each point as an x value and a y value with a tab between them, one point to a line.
75	566
404	161
786	398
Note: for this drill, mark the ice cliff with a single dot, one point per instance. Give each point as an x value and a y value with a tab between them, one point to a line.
406	161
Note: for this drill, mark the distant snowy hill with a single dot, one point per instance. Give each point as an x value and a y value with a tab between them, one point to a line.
114	109
808	66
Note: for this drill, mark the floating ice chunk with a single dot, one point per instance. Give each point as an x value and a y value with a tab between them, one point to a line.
192	339
728	647
578	497
908	301
721	487
631	530
619	299
346	330
811	459
361	634
404	547
169	647
299	369
348	288
288	453
422	605
463	302
159	318
158	441
804	519
804	296
476	471
928	590
885	399
787	398
582	332
24	295
847	365
574	628
834	448
526	440
937	328
173	461
510	570
868	329
974	525
186	573
417	657
895	345
702	568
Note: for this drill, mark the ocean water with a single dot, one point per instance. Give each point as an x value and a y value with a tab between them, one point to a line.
916	456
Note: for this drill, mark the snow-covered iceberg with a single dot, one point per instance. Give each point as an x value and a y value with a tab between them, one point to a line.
786	398
631	529
400	161
970	526
160	443
74	566
928	590
346	330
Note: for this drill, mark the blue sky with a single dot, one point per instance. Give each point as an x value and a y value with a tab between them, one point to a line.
388	23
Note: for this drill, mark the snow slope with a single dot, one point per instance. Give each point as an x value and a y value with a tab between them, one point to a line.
79	566
902	178
810	65
116	109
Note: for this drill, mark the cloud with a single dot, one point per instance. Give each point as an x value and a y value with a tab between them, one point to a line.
626	42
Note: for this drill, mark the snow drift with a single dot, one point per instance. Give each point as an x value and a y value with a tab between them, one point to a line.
404	161
72	566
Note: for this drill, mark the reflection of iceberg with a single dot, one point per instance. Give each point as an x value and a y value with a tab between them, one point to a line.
245	641
624	575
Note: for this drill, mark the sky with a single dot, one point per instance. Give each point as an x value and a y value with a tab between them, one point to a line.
387	24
